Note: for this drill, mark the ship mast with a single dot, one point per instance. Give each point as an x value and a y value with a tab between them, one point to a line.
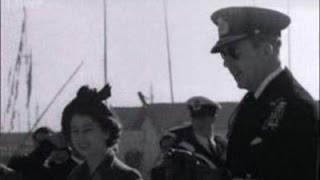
105	41
165	12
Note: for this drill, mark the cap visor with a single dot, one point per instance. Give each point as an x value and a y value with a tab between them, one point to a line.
227	40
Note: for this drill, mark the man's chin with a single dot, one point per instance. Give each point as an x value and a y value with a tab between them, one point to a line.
241	85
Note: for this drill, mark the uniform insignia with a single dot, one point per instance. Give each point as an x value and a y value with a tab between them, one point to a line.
256	141
204	159
223	26
272	122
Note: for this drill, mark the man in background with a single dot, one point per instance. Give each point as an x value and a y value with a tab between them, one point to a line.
31	166
196	151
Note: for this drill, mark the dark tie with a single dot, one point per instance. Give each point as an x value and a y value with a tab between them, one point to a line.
248	101
249	98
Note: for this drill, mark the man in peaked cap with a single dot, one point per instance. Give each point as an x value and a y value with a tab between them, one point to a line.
272	133
199	137
199	142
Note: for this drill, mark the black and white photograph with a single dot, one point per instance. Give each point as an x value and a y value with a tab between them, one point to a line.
159	90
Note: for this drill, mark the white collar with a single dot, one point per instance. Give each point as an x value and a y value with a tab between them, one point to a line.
266	81
205	141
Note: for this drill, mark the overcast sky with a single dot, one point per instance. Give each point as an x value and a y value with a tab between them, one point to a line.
62	33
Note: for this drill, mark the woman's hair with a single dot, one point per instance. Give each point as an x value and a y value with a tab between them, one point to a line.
88	102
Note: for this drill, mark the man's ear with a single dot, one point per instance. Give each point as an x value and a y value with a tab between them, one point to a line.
266	49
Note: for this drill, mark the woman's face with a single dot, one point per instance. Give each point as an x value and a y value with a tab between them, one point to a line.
87	136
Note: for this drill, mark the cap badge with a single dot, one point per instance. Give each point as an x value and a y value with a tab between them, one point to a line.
256	31
223	26
196	105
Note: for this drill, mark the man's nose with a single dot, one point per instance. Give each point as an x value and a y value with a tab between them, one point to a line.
229	62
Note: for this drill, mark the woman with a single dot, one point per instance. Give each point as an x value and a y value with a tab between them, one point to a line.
93	132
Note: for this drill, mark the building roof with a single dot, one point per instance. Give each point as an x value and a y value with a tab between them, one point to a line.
165	115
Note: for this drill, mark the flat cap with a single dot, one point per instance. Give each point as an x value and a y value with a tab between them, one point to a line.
237	23
202	106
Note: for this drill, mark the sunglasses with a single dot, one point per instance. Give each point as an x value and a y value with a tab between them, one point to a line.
229	51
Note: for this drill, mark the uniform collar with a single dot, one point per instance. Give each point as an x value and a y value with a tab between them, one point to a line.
205	141
266	81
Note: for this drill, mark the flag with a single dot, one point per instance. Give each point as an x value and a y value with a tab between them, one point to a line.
13	116
16	77
16	87
9	76
29	81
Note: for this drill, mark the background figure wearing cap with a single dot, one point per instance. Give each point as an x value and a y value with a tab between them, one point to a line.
273	131
199	140
31	166
163	163
50	160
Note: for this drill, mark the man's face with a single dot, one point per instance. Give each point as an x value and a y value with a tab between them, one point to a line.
242	60
40	137
204	121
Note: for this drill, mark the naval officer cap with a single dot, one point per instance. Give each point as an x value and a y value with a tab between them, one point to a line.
237	23
201	106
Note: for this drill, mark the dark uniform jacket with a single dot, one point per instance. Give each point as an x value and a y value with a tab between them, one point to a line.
186	140
274	137
31	166
111	168
189	160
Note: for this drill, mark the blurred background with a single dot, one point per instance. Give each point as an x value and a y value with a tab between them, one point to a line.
141	36
159	48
